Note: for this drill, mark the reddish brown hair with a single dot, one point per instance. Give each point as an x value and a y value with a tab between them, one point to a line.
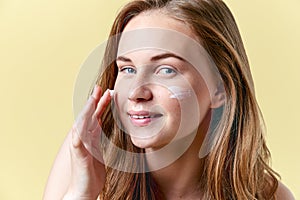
237	168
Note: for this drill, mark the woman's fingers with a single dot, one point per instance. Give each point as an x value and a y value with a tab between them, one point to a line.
91	103
88	172
97	92
85	119
104	101
87	110
87	128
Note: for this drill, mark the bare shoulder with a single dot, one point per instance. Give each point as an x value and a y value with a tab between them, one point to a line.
283	193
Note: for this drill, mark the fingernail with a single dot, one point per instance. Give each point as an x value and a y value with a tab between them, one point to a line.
111	92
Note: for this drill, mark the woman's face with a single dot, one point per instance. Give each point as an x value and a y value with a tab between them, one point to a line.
159	96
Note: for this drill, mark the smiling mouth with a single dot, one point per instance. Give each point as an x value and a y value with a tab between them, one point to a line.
143	118
133	116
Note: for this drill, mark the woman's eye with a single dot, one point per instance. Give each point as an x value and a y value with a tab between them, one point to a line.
128	70
166	71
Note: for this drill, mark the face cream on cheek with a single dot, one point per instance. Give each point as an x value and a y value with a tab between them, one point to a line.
180	93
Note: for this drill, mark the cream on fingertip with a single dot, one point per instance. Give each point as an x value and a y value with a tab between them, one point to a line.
111	92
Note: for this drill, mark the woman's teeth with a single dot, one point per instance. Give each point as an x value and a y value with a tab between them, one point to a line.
139	116
145	116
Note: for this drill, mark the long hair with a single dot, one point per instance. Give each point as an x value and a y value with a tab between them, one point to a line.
238	165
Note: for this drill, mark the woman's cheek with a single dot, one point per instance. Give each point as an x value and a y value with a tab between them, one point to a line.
178	101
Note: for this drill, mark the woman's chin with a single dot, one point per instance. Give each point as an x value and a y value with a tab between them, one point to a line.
147	143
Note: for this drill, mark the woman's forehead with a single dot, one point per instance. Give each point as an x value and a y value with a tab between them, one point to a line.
158	19
165	40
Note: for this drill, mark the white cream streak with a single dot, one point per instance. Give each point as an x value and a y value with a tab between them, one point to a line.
179	92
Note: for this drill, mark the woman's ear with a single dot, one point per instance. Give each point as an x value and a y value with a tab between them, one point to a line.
219	96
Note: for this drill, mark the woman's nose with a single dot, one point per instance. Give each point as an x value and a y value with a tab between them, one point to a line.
140	94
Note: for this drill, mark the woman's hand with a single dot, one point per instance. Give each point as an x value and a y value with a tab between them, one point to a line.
87	168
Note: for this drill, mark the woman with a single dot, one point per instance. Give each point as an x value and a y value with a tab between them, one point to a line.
194	126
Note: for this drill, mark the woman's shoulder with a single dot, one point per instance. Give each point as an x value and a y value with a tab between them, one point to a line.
283	193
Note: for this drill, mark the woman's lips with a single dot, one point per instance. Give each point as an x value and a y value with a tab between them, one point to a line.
143	118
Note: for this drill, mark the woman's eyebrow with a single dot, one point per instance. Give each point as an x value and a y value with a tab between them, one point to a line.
154	58
165	55
123	58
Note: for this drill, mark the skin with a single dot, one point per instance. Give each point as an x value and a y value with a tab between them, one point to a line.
155	98
77	175
186	181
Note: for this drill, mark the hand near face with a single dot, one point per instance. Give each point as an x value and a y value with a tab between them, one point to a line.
87	168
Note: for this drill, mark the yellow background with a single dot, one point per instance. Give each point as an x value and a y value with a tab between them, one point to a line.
43	43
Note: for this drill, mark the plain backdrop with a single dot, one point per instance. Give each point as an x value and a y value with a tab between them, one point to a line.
43	44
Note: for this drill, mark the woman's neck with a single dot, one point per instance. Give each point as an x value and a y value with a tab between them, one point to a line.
181	178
